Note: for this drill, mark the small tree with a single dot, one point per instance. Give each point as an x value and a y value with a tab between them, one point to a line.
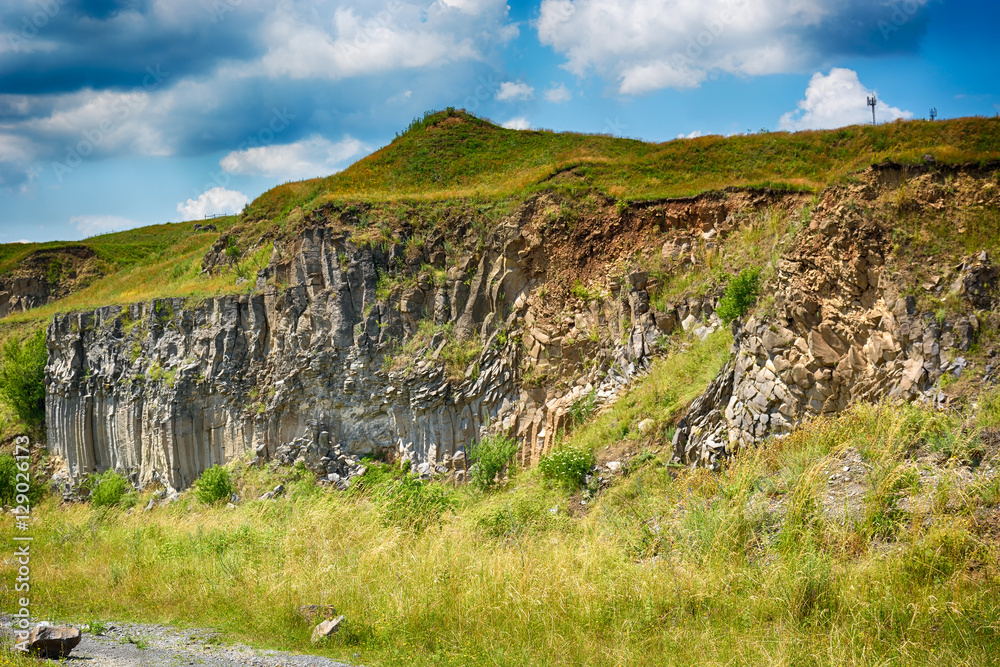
491	455
740	295
214	485
9	481
22	378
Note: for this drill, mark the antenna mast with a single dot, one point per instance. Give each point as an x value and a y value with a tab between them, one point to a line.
872	101
933	113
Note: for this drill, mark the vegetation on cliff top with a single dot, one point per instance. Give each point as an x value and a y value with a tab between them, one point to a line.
452	154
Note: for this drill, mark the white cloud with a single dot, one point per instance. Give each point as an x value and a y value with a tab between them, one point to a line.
89	225
472	6
401	98
378	37
103	121
213	202
518	123
646	45
514	90
691	135
835	100
558	94
15	149
315	156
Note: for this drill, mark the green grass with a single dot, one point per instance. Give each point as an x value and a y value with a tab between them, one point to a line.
452	169
687	567
144	264
455	155
119	250
672	383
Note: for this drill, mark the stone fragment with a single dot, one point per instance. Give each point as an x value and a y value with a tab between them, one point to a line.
53	641
326	629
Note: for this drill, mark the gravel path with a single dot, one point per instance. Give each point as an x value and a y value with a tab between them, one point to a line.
139	645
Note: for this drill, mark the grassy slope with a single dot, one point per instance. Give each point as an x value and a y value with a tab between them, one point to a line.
667	567
463	156
140	264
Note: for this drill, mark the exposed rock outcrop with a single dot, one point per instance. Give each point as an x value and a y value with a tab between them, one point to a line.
842	331
310	361
45	275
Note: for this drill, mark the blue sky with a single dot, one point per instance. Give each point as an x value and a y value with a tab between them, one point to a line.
119	113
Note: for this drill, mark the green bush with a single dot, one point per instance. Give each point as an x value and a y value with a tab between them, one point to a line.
567	466
9	482
108	489
740	295
214	485
491	455
22	378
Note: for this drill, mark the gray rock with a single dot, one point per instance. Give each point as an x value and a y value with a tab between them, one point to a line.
53	641
326	629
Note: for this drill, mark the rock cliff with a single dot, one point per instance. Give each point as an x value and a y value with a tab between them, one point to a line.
329	348
418	342
844	325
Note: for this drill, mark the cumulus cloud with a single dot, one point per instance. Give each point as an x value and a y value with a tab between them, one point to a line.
558	94
213	202
510	91
645	45
691	135
518	123
835	100
89	225
315	156
378	37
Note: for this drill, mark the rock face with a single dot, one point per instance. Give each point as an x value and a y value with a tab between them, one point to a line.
22	293
841	333
53	641
304	368
45	275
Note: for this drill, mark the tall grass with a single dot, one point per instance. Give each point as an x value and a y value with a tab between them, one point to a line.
749	565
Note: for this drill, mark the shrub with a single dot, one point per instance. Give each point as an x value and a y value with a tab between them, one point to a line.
740	295
22	378
108	489
214	485
491	455
567	466
9	482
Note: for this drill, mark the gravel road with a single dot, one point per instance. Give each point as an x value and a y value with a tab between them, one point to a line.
139	645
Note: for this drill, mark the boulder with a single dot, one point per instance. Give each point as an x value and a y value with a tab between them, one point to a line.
326	628
53	641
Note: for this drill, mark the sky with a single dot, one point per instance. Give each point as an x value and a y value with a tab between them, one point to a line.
121	113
